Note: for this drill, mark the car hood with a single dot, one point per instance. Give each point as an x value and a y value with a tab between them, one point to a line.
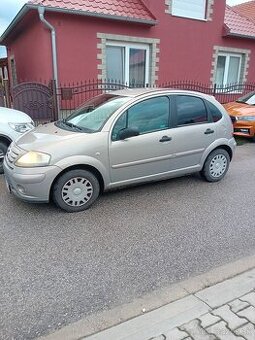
240	109
50	138
13	116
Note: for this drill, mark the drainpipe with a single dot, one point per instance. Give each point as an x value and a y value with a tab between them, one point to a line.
41	11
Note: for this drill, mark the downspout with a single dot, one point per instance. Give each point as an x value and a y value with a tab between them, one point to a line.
41	11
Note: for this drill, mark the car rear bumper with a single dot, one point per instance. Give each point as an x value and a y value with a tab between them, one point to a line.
30	185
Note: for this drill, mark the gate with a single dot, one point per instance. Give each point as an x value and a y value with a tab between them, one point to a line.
2	101
37	100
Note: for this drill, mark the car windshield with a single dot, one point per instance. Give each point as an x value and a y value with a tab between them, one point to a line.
247	99
94	113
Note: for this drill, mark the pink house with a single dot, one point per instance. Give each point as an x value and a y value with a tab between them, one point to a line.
132	41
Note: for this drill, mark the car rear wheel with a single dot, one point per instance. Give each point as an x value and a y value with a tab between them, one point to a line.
216	165
3	150
76	190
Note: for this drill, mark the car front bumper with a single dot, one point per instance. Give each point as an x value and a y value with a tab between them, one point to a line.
244	129
30	184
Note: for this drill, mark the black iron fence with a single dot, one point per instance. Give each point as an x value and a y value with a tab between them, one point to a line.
71	96
47	103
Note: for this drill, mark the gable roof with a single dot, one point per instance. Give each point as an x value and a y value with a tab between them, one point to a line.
237	25
123	10
246	9
127	9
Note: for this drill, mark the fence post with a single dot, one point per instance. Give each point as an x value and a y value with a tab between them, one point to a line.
7	93
55	101
214	89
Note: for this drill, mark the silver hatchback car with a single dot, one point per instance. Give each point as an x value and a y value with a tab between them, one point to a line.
121	138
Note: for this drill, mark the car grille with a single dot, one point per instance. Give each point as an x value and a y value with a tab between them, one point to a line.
12	155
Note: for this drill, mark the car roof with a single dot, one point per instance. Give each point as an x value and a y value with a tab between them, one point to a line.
136	92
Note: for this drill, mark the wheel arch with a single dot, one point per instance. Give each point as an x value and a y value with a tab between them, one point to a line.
226	148
5	139
87	167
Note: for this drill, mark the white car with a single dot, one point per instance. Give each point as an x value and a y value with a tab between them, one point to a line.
13	124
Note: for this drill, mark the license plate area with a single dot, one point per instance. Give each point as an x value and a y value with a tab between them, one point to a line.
242	130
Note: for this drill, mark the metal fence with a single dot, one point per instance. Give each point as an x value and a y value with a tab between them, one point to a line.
44	102
70	96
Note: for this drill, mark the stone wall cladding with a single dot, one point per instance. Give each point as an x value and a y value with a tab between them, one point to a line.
154	53
209	9
245	62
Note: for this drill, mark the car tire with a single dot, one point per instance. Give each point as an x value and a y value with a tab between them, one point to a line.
216	165
3	150
76	190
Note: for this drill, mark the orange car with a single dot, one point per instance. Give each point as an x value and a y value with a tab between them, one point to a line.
242	114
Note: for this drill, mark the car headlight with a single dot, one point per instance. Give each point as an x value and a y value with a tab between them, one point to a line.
33	159
21	127
247	118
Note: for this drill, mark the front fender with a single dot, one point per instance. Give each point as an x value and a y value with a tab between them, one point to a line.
85	160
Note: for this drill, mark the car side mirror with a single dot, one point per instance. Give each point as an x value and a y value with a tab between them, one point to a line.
128	132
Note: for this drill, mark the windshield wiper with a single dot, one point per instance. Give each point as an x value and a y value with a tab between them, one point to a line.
71	125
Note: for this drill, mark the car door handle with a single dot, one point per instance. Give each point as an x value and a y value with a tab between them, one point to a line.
165	139
208	131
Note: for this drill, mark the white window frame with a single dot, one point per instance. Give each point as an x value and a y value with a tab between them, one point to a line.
228	55
204	18
127	47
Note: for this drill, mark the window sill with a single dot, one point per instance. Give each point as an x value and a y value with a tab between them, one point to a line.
189	18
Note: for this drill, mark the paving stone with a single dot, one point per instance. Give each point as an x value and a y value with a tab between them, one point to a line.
231	318
196	331
176	334
248	313
222	332
247	331
250	298
238	305
228	290
208	320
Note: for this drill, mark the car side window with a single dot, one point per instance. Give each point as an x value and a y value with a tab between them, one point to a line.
147	116
190	110
119	125
215	112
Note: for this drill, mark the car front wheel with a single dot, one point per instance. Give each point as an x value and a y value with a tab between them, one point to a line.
216	165
76	190
3	150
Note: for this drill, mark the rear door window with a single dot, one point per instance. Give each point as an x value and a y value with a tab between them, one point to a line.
190	110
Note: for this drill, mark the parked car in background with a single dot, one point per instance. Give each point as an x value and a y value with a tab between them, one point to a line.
242	113
121	138
13	124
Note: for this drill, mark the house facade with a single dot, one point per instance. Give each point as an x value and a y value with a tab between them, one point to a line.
130	41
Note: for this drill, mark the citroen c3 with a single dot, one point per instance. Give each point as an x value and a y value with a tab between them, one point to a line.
117	139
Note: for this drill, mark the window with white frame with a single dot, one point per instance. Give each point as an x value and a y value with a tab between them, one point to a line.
228	69
194	9
127	63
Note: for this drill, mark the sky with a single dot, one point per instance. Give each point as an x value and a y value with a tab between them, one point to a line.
9	8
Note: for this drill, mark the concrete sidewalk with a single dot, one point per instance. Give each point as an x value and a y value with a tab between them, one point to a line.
223	311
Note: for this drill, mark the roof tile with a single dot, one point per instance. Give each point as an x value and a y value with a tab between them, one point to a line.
247	9
134	9
237	24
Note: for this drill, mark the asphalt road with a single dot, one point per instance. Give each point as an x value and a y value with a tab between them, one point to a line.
56	268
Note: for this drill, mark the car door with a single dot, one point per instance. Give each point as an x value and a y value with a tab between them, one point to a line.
193	131
148	153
